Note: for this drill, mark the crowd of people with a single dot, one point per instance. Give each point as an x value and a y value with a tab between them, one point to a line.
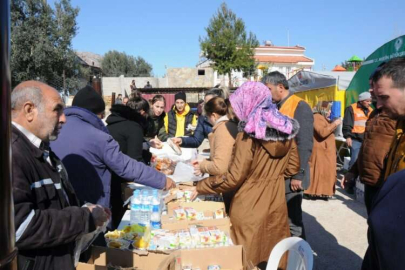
268	150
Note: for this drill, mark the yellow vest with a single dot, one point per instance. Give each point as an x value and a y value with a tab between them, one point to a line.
360	119
396	157
290	105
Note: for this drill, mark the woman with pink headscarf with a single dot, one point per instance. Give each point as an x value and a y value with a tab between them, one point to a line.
265	154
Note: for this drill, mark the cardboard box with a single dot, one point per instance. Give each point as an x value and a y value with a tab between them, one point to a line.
101	257
225	257
168	223
198	206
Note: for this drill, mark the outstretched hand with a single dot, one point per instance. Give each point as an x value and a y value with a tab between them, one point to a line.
170	183
177	141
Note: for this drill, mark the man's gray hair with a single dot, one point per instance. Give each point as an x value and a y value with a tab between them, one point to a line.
20	96
275	78
217	92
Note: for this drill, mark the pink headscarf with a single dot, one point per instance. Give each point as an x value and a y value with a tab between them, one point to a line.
253	105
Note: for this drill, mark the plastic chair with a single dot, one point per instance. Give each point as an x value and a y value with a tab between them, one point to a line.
300	256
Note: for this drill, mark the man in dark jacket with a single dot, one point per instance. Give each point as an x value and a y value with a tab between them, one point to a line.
48	216
203	128
90	154
296	108
386	227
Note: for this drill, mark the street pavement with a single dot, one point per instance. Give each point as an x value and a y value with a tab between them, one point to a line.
337	231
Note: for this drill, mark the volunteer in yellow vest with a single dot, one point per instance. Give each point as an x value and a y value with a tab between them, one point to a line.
179	118
390	92
298	109
354	124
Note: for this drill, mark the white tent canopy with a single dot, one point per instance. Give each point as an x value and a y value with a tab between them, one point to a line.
307	80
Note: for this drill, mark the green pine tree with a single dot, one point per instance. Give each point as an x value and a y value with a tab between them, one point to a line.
228	45
116	63
41	47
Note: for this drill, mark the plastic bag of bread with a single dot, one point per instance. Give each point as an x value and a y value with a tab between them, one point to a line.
164	165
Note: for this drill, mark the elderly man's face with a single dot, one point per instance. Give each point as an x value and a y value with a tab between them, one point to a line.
390	98
49	119
366	103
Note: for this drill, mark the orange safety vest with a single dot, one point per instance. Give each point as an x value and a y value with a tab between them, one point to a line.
360	119
290	105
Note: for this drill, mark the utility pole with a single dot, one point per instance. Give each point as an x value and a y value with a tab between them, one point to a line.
8	251
64	80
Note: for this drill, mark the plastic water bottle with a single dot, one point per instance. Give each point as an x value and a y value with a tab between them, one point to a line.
155	197
146	205
135	207
156	214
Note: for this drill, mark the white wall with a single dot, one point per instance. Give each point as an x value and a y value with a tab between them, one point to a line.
120	84
176	77
188	77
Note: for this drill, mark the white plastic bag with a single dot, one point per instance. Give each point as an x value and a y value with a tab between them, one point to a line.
187	154
185	173
84	242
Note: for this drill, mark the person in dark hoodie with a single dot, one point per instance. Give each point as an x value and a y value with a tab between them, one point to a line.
126	125
91	154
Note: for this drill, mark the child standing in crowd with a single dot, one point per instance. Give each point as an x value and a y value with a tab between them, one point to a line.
323	158
264	156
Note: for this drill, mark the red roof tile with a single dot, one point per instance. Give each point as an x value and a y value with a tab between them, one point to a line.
283	47
281	59
339	68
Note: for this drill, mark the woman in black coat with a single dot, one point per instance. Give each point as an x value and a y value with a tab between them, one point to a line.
127	125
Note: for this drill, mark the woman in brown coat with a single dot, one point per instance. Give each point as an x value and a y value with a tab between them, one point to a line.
323	159
264	156
221	139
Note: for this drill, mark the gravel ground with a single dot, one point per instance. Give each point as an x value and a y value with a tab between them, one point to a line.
337	231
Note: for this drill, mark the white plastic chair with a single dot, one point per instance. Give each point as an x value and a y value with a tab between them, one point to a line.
300	256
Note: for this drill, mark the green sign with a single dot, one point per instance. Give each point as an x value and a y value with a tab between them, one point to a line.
360	82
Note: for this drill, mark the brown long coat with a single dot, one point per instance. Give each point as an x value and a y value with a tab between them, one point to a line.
258	211
323	158
222	141
378	140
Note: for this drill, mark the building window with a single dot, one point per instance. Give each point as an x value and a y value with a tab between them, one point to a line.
201	72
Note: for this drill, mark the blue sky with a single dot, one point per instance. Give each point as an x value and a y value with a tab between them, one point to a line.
166	32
